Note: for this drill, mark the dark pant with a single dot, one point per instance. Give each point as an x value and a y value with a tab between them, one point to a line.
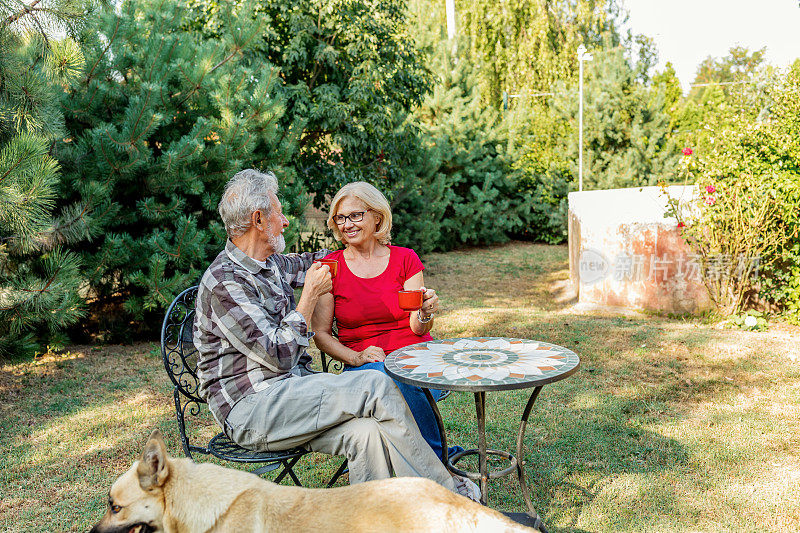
419	406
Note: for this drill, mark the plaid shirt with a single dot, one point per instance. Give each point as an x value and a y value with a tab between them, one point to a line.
246	328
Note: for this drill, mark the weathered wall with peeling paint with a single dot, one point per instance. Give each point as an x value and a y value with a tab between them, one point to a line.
623	252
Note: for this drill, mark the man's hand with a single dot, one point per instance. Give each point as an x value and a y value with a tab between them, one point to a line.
372	354
318	280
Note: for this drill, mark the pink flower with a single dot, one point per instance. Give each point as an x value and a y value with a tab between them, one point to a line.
710	200
710	189
687	151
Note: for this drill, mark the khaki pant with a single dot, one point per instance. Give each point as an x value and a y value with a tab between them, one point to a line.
360	415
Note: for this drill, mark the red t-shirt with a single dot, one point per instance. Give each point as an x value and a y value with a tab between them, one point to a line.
366	309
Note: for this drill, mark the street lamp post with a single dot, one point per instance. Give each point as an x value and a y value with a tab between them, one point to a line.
582	56
450	10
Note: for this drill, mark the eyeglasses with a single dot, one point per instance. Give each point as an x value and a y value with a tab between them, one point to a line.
355	216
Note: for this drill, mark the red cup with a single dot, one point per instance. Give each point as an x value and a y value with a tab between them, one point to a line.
410	300
333	265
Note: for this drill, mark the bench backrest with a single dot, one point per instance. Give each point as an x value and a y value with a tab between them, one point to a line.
180	362
177	347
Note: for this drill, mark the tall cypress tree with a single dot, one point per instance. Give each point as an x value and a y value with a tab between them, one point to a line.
39	281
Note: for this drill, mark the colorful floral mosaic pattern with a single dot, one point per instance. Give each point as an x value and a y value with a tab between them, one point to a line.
480	362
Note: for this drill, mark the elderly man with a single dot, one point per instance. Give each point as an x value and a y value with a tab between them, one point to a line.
252	340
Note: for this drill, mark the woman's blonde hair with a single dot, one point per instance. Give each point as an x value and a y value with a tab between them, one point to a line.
373	199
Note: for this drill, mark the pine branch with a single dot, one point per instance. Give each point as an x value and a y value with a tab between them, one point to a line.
11	168
177	255
26	10
199	83
34	293
42	32
103	53
136	124
117	169
167	60
155	59
62	230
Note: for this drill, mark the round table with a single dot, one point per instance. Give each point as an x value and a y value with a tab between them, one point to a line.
479	365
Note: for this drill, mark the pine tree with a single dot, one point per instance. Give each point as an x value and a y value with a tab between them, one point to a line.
158	122
471	143
39	281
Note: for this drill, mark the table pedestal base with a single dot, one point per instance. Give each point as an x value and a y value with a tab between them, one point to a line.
482	452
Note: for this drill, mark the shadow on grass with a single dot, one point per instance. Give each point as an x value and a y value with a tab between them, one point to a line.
596	426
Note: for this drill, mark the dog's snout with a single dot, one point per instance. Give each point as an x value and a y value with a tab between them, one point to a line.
98	529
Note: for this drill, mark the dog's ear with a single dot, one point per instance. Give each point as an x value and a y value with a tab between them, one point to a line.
153	468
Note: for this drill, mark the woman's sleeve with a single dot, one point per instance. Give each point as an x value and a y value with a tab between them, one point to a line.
411	263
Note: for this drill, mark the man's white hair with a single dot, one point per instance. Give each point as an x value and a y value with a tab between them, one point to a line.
246	192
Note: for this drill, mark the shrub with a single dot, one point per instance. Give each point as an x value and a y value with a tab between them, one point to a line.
735	227
748	198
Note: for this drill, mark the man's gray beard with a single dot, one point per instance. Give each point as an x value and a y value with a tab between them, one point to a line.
278	243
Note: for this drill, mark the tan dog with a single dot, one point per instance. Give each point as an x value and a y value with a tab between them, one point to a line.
161	493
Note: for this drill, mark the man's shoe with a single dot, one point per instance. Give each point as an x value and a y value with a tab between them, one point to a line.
467	487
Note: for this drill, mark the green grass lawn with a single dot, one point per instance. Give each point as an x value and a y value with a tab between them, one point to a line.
669	425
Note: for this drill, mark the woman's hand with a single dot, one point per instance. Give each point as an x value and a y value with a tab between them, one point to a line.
430	302
371	354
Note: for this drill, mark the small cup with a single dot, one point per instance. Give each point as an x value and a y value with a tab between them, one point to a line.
410	300
333	265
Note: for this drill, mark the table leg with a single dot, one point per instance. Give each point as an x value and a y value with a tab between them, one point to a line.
480	408
439	423
520	462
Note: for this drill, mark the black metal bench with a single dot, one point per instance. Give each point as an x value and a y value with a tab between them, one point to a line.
180	362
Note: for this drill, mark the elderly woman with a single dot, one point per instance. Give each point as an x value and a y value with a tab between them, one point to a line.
364	300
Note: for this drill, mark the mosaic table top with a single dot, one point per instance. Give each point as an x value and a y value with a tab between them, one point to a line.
481	363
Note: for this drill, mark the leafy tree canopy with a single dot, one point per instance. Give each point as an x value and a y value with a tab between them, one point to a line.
737	65
351	73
